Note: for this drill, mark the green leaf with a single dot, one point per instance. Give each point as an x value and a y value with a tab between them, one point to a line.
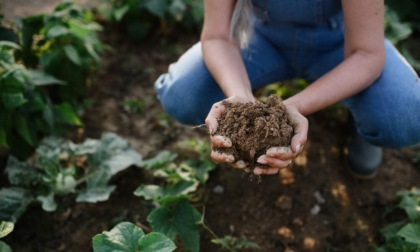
234	243
23	129
391	230
157	7
4	247
68	115
21	173
119	13
122	238
410	203
48	202
156	242
160	160
13	100
40	78
73	55
8	44
3	139
6	228
13	202
57	31
97	194
149	192
201	169
156	193
411	233
122	161
179	218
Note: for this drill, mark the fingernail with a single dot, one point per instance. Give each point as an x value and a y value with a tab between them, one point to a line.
261	160
211	130
229	159
240	164
298	148
257	171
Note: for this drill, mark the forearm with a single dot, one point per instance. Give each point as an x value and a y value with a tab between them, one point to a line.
224	62
353	75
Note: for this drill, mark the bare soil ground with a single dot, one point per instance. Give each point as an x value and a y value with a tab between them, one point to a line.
324	209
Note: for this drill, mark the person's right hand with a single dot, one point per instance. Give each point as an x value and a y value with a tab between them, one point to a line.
221	141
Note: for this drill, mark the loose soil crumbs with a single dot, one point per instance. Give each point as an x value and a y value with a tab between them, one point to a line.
253	128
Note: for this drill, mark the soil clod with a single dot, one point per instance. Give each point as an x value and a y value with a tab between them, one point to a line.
253	128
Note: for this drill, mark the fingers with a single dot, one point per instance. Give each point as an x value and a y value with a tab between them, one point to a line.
221	157
300	125
283	153
220	141
265	171
274	162
215	113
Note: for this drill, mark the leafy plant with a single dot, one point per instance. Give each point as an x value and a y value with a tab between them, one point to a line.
64	168
174	215
142	17
126	237
5	229
404	235
66	45
26	110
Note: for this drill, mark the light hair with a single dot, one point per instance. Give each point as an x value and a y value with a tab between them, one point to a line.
241	23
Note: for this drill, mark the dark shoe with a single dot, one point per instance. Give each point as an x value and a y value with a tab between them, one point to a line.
363	158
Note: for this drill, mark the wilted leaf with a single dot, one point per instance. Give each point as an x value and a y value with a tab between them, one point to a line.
6	228
97	194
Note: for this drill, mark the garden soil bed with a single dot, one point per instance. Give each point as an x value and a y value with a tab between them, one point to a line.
324	209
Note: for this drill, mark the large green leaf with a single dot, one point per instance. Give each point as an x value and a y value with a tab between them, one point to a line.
156	242
4	247
13	100
41	78
13	202
179	218
21	173
6	228
126	237
122	238
411	233
121	161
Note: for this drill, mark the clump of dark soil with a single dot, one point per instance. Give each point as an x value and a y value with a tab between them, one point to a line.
253	128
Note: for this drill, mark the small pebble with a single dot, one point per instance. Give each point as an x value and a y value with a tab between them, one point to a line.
218	189
319	197
315	209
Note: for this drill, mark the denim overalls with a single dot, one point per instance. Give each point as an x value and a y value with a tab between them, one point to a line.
302	39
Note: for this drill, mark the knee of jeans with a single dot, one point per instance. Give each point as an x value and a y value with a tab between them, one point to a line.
181	105
185	113
388	135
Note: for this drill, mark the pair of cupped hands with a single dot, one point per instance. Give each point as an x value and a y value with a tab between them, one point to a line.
276	157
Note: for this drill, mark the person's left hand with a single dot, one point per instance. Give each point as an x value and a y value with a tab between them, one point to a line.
281	157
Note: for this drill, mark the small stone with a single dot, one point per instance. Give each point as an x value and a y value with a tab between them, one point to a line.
286	234
298	221
284	203
218	189
309	243
319	197
315	209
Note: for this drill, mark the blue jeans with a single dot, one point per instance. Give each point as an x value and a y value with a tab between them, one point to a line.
387	113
